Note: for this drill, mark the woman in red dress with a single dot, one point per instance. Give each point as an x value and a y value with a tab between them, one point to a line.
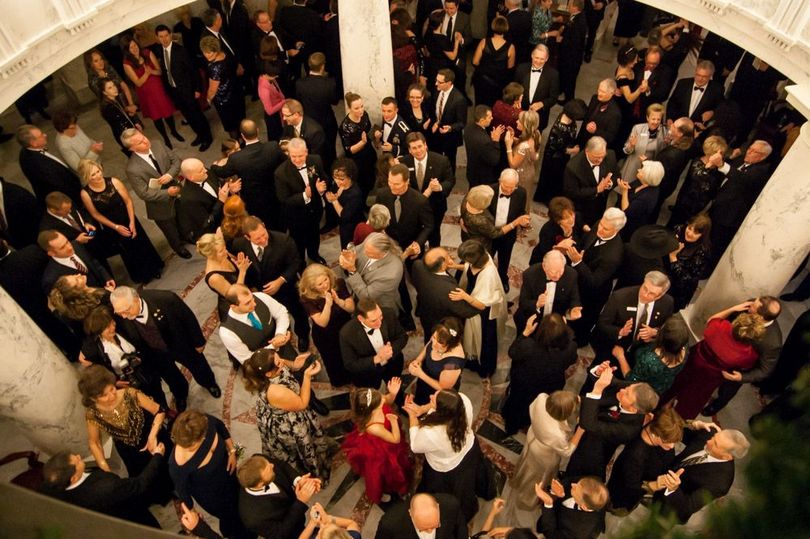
143	69
726	346
375	449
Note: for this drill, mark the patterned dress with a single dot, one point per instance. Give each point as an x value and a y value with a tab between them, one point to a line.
293	437
527	171
649	368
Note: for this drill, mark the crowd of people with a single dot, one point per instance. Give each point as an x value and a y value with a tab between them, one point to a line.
603	272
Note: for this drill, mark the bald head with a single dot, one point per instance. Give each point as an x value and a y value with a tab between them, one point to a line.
193	170
436	260
248	130
424	512
554	265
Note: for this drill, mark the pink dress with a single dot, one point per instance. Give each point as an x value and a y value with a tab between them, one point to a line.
386	467
718	351
152	97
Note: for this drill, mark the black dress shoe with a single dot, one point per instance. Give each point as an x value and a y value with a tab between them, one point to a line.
319	260
183	253
710	410
205	145
179	138
215	391
587	58
196	141
318	406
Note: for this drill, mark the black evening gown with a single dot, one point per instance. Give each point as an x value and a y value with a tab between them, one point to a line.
366	159
327	340
229	99
223	305
492	71
139	255
560	138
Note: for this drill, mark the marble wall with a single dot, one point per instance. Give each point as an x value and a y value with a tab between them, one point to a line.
38	385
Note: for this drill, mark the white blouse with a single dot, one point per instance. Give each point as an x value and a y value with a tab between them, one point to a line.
435	444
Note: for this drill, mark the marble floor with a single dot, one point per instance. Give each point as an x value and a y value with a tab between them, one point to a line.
345	494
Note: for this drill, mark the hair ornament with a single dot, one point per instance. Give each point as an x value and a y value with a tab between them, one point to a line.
368	397
452	332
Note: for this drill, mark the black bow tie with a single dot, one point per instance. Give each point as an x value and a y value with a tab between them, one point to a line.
699	88
370	332
594	167
389	124
302	168
505	196
537	70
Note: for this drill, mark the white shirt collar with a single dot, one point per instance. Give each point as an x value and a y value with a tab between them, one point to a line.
266	491
81	480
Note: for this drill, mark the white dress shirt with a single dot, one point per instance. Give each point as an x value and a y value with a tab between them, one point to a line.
534	80
116	351
695	99
67	262
375	338
551	291
502	209
235	345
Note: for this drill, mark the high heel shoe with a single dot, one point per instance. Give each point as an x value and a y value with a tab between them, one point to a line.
176	135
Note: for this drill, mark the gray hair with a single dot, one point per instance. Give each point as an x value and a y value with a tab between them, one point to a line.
554	256
595	144
610	83
509	174
297	143
653	172
128	135
379	217
646	397
741	444
705	64
766	148
541	47
383	242
614	216
124	293
24	134
657	278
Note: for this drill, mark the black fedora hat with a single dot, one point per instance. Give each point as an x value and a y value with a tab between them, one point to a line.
653	241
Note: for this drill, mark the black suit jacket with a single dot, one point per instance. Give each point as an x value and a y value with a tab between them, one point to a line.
620	307
255	164
437	166
231	48
358	353
454	114
317	94
738	193
290	191
312	133
97	275
698	480
111	495
566	295
396	523
302	24
416	220
547	91
678	104
598	267
274	515
185	75
659	83
572	48
606	116
49	222
483	155
198	212
432	297
603	433
47	175
769	349
517	207
280	260
560	522
22	212
579	184
520	30
175	320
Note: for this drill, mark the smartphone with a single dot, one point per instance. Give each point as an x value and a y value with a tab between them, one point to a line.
91	233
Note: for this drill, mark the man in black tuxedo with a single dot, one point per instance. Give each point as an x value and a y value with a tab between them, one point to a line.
745	177
450	107
255	164
237	24
507	206
70	258
632	316
603	116
300	186
67	479
426	515
722	53
182	80
201	199
703	470
458	22
263	30
152	171
482	147
541	84
159	321
594	13
612	414
371	345
297	125
317	93
391	137
579	513
549	287
674	156
19	215
697	97
431	174
596	260
74	224
433	285
274	497
589	176
46	172
572	48
274	270
520	29
304	27
659	82
769	347
212	19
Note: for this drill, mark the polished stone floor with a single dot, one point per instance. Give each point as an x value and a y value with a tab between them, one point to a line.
345	494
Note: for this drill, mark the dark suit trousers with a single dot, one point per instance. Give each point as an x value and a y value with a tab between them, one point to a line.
170	230
190	108
594	18
167	370
405	315
296	310
502	248
199	368
435	236
569	71
307	239
727	390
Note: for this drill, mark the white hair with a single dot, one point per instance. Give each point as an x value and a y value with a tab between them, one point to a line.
509	174
657	278
614	216
382	242
553	256
653	172
297	143
595	144
739	441
127	135
190	166
124	294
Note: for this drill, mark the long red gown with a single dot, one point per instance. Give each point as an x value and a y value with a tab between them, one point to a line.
386	467
718	351
154	101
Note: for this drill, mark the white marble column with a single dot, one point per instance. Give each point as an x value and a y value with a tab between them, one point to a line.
38	385
772	241
365	47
